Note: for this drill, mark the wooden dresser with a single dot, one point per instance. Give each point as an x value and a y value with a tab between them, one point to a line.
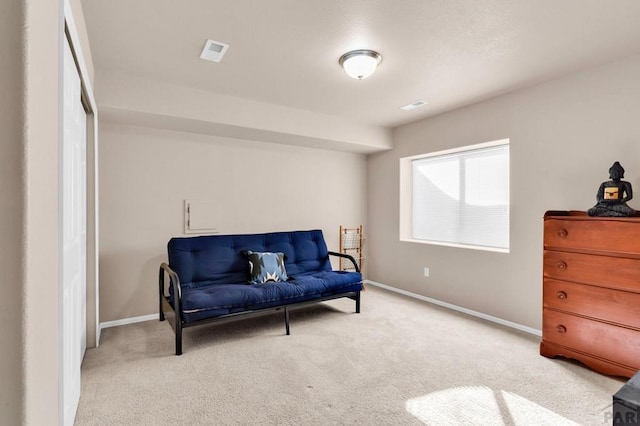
591	291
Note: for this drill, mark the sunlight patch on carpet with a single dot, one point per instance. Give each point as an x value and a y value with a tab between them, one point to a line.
480	405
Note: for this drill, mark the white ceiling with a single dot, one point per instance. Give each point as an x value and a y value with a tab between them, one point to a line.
449	53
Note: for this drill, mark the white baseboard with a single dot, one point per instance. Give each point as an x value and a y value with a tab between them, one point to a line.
477	314
126	321
451	306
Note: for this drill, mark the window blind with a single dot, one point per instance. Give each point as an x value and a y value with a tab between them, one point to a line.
463	197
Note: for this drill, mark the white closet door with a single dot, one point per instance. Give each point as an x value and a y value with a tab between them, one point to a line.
74	239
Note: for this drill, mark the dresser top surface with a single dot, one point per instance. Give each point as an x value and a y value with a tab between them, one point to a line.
582	215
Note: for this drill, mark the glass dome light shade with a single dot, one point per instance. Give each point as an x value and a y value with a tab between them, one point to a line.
360	64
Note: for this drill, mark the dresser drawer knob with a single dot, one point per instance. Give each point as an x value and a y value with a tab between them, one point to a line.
561	265
561	329
562	233
561	295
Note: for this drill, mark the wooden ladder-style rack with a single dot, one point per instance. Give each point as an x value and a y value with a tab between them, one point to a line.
351	243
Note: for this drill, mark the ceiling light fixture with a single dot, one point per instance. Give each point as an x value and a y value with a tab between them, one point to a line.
360	63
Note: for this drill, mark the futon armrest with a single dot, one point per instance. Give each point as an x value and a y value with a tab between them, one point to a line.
174	282
346	256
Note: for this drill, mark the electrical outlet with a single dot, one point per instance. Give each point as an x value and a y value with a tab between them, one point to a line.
426	272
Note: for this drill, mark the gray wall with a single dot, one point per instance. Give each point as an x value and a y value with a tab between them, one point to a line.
146	174
565	134
41	132
11	212
29	37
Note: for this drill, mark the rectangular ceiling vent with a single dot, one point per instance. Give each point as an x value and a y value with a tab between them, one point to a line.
214	51
413	105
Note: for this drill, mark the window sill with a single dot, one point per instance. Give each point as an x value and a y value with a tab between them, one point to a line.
455	245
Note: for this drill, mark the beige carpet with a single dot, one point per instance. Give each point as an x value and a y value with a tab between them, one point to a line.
399	362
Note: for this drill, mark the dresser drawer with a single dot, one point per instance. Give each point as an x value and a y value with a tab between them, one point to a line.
592	337
610	235
615	272
617	306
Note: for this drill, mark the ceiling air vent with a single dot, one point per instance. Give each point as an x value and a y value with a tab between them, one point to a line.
413	105
214	51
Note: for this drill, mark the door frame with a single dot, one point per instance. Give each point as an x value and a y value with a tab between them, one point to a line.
93	322
70	32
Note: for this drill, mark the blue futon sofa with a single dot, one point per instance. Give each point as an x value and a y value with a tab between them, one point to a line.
223	276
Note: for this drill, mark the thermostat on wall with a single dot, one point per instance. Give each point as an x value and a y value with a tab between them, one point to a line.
200	217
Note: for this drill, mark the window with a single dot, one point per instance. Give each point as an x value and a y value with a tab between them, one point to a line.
457	197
